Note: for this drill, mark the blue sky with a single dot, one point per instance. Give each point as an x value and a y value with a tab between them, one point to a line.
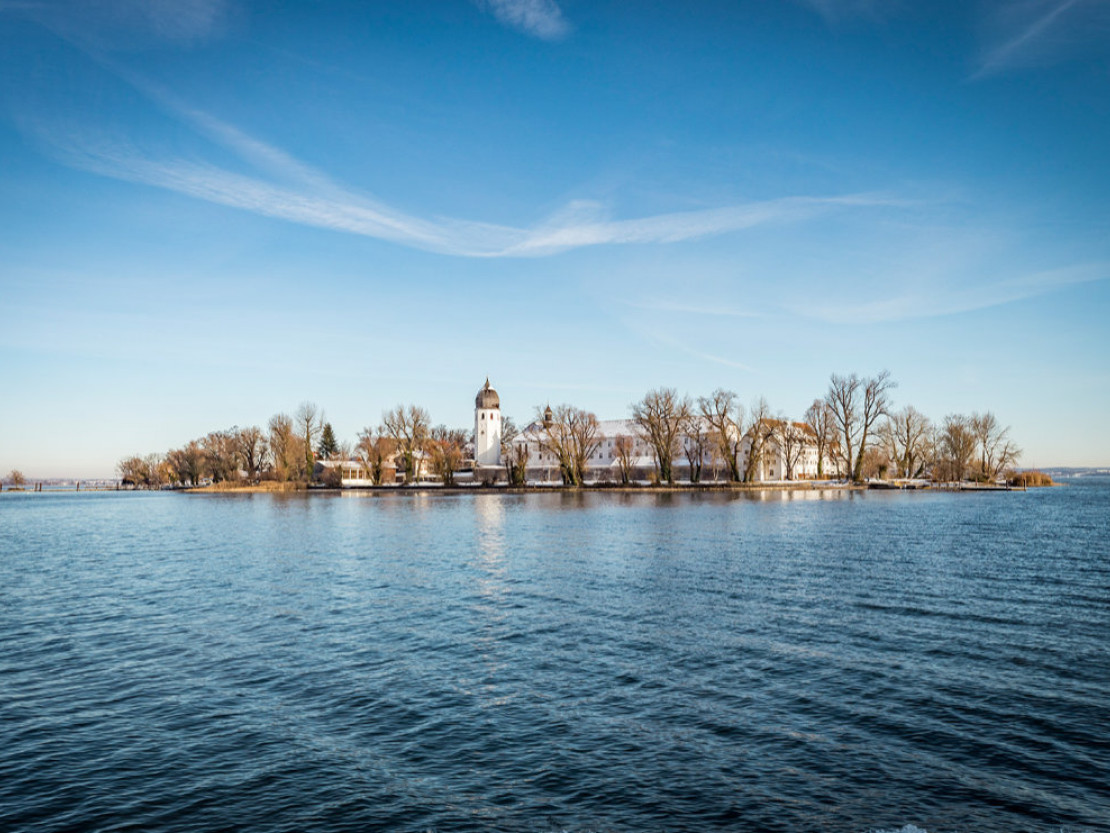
211	211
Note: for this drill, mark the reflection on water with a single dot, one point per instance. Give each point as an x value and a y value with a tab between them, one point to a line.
489	510
804	660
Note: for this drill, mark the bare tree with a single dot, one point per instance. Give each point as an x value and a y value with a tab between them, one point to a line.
791	439
660	416
365	451
986	429
996	451
820	421
876	404
408	426
187	463
557	441
445	447
856	405
517	464
309	421
132	472
446	457
759	430
514	453
221	455
585	440
253	449
1006	457
15	476
571	436
509	435
695	444
158	471
458	436
957	447
843	401
373	452
725	415
624	446
876	462
286	449
906	435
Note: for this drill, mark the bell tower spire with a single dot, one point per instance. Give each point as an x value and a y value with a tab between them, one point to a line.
487	427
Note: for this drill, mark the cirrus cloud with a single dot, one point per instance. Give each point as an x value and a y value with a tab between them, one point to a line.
540	18
1041	32
277	185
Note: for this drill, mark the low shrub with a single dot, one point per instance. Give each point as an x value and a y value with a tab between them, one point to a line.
1030	478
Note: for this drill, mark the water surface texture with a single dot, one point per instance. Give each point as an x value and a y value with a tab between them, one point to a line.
604	662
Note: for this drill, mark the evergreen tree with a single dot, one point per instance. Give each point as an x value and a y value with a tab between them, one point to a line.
328	446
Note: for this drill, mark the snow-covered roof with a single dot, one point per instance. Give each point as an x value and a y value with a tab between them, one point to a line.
606	429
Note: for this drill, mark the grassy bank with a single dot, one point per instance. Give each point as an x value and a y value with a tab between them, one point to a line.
264	486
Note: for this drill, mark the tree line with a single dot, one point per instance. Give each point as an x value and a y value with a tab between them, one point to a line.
288	448
853	428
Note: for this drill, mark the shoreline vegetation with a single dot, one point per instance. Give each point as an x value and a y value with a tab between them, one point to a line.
1030	479
852	433
270	487
1018	482
505	488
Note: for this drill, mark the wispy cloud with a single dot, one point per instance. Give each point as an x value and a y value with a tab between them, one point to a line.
833	11
581	224
125	24
282	187
540	18
935	302
682	308
1039	32
653	334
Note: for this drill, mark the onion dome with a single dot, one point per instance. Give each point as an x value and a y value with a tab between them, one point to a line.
487	398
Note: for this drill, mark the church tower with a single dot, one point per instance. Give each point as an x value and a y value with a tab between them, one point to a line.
487	427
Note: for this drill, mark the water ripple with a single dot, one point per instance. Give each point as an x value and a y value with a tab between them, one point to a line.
555	662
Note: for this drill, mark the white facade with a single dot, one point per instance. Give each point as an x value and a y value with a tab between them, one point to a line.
773	463
487	427
605	455
604	462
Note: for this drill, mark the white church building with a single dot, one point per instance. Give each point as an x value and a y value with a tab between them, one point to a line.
487	427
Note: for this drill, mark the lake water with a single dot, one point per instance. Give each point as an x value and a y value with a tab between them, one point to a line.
818	661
